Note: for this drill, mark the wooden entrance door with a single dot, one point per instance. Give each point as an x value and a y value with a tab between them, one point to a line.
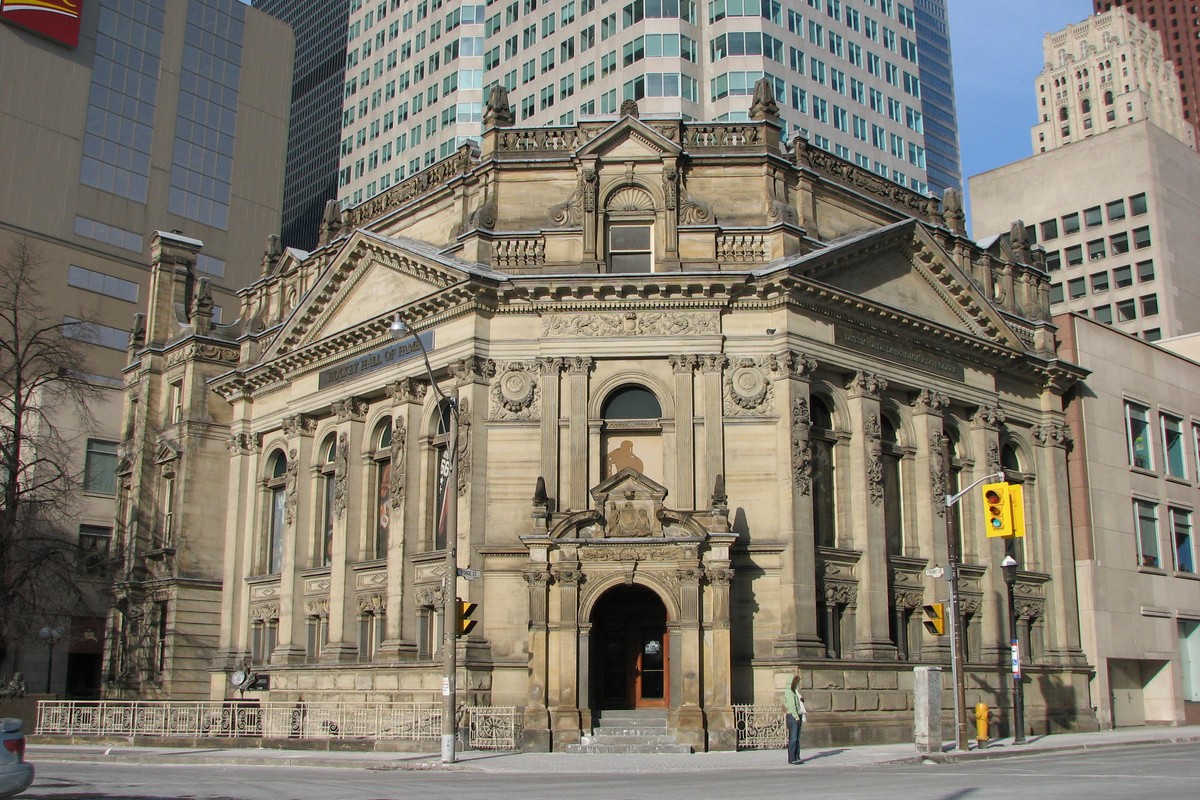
632	664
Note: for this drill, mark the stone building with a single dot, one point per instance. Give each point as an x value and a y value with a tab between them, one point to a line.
712	393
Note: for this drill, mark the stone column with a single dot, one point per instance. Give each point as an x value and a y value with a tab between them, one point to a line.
536	729
977	548
407	396
929	539
686	663
244	464
290	648
563	695
712	367
798	637
718	680
576	485
684	490
872	639
342	644
1061	622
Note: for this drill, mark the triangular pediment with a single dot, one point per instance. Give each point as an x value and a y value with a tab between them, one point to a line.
903	267
630	139
370	277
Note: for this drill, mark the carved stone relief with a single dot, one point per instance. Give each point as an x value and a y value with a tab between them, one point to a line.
631	323
747	390
515	392
341	469
399	462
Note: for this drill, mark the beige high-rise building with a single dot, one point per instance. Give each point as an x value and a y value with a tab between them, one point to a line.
168	115
1102	73
1115	215
1134	471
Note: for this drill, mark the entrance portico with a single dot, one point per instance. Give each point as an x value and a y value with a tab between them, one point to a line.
635	614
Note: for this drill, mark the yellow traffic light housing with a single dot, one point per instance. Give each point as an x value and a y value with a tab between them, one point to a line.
935	618
463	624
997	509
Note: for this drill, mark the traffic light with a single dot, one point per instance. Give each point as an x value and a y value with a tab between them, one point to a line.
997	509
463	624
1016	505
935	618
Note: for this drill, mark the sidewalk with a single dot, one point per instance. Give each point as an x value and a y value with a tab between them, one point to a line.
478	761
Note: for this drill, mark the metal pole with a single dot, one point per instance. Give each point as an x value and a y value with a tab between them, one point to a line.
448	524
450	598
1010	579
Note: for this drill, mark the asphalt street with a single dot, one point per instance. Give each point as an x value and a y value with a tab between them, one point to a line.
1166	771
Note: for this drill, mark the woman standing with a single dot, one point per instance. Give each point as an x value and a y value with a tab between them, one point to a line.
793	701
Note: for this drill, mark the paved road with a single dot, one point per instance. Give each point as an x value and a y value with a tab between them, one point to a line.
1166	772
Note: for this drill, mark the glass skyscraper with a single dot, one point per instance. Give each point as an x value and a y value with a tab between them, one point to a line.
868	80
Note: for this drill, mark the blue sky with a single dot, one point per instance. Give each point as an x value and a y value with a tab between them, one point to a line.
997	52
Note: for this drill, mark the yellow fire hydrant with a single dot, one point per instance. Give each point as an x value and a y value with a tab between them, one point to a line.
982	714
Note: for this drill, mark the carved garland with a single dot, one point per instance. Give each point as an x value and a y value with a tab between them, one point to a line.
399	462
938	443
801	446
874	436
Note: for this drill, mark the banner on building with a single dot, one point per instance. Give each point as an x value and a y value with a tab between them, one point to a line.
56	20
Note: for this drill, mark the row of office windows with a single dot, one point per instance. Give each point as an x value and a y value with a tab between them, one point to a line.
1095	249
1094	217
1178	454
1149	517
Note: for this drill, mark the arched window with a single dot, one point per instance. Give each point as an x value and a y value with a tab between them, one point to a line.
1086	105
444	494
271	557
824	490
631	436
324	544
1108	98
954	469
1062	114
629	234
893	510
382	458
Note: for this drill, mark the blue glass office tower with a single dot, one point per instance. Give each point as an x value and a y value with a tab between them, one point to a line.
942	164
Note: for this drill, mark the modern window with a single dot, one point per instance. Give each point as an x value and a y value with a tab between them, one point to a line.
630	247
1099	282
1141	238
1137	204
102	283
1119	243
1074	255
1092	217
1145	271
1116	210
1095	249
1127	310
100	467
1049	229
1103	314
1149	305
1181	540
1189	658
95	542
1145	516
1056	293
1077	287
1174	456
1053	260
1137	435
1122	277
1070	223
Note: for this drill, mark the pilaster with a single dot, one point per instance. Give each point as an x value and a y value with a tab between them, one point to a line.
290	647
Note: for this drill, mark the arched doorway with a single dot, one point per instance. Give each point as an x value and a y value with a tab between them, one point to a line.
630	662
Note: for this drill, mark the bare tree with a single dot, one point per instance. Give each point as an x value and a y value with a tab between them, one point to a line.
42	378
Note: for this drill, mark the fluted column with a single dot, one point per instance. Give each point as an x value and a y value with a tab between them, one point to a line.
712	368
549	371
872	639
798	636
977	547
407	396
563	694
684	491
245	459
290	648
1061	629
932	472
536	730
578	369
342	645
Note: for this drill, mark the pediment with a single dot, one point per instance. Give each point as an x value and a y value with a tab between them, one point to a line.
906	269
166	452
629	139
370	277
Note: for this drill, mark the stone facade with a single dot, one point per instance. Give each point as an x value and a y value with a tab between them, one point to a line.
711	396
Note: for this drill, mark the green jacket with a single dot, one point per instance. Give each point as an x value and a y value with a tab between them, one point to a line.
794	705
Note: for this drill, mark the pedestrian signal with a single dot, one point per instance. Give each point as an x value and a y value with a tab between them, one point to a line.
997	509
935	618
463	622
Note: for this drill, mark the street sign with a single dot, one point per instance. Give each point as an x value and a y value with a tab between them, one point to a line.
935	572
469	574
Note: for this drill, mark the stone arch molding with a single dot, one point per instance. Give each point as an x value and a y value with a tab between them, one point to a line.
656	582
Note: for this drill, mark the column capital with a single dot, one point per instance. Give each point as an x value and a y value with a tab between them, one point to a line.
865	384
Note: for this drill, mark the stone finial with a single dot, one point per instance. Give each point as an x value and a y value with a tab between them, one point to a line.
719	498
201	311
952	212
271	255
629	108
539	492
496	112
1019	242
331	221
137	336
763	106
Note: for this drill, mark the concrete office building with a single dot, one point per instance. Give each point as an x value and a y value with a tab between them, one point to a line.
1178	26
315	122
165	115
1102	73
712	393
1116	215
845	73
1133	475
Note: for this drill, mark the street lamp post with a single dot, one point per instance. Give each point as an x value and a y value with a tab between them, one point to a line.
447	523
1009	567
50	636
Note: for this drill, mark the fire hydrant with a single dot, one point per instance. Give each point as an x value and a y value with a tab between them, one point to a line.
982	715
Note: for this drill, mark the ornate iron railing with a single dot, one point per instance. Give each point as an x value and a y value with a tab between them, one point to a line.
760	727
488	728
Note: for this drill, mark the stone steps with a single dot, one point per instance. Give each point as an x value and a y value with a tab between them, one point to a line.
630	732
